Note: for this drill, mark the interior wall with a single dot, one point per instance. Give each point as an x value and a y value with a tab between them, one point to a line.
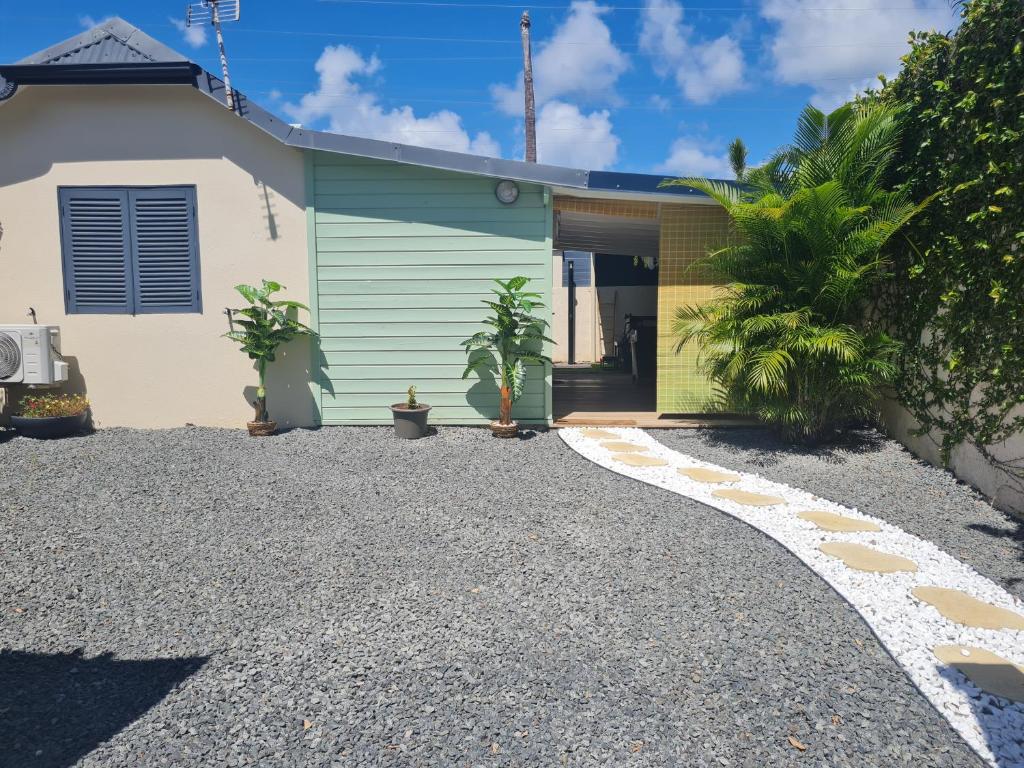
156	370
587	325
614	303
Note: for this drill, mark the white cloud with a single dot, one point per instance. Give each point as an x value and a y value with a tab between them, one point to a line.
579	61
566	136
838	53
690	156
350	109
659	102
195	36
88	22
703	69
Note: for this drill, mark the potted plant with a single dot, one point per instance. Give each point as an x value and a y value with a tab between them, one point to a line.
410	417
51	415
267	324
515	338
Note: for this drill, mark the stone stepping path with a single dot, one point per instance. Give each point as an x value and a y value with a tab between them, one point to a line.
989	672
702	475
867	559
958	636
963	609
829	521
749	499
617	446
639	460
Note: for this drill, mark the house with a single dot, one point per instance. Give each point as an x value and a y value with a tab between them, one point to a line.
132	200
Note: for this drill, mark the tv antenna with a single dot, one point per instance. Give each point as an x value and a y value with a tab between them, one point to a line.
214	12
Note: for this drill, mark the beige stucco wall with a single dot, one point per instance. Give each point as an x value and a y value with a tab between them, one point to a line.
156	370
966	461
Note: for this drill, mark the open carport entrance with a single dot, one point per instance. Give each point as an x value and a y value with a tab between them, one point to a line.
605	312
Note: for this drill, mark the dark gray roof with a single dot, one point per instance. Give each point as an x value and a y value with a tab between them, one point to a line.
115	41
117	52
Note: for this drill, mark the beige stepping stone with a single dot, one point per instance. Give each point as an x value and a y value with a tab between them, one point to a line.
620	447
992	673
704	475
748	498
863	558
599	434
639	460
829	521
963	609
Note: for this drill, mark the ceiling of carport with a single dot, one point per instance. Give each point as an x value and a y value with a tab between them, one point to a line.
606	234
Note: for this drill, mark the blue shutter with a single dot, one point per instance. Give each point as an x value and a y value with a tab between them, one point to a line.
96	250
165	250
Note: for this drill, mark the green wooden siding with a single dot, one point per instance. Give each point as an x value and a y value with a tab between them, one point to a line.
402	257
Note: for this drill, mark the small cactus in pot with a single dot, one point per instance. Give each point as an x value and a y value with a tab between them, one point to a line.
410	417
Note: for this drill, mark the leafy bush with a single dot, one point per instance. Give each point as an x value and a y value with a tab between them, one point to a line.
50	405
787	339
956	299
515	341
267	324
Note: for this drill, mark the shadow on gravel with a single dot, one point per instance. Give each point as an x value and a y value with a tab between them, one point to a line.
56	708
997	741
772	449
1013	536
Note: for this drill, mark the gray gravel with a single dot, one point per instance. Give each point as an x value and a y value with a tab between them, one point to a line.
194	597
880	477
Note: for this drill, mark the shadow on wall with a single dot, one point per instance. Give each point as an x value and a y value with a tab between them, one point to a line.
290	378
56	708
267	198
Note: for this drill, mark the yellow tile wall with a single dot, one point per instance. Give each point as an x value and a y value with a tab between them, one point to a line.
687	234
636	210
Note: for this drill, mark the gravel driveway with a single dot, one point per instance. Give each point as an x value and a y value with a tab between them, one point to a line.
338	597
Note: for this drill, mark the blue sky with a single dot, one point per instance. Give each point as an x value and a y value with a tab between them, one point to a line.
644	85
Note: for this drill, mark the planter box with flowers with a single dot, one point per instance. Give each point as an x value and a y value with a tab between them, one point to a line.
51	415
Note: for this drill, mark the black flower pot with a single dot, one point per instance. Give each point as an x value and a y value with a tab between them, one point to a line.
49	427
410	423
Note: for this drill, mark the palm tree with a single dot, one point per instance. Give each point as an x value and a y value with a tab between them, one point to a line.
738	158
788	339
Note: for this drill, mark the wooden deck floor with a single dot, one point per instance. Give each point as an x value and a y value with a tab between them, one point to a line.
587	397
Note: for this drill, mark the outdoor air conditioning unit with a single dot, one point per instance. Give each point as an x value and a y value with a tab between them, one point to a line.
30	354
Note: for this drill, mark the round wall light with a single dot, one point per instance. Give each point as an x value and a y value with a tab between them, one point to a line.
507	191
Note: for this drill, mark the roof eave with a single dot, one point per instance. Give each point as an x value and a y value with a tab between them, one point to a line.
518	170
176	72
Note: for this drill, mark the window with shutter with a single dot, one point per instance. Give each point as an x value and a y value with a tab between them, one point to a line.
165	256
129	250
97	250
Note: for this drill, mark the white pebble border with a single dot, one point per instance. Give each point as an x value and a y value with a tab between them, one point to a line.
908	628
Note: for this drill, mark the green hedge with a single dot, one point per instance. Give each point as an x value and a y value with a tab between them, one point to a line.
957	296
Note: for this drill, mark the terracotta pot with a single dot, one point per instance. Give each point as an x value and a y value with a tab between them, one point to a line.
410	423
261	428
505	430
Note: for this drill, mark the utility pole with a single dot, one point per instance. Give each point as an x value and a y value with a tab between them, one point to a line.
531	111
